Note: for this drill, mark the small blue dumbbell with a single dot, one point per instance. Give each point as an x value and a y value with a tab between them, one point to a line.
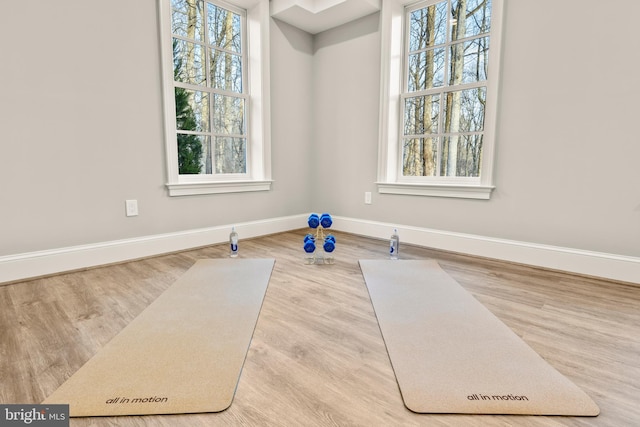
309	246
314	220
329	245
325	220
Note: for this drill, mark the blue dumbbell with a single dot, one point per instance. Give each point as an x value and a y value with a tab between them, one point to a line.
329	245
309	246
325	220
314	220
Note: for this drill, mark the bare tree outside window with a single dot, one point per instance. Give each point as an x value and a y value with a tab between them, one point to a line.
446	56
209	62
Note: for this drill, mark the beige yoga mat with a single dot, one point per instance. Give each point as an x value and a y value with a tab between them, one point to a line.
183	353
452	355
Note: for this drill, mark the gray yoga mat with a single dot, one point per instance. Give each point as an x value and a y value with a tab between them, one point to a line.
450	354
182	354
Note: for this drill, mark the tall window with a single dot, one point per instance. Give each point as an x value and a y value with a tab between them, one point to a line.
446	59
445	102
217	135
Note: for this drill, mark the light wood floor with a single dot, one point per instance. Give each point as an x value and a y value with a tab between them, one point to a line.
317	357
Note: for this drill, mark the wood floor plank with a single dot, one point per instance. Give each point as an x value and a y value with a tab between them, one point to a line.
317	357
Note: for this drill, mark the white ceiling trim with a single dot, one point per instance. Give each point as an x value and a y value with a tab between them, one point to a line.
315	16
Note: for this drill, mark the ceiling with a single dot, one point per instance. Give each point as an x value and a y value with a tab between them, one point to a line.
315	16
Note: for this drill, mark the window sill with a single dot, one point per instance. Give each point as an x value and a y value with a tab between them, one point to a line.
464	191
197	188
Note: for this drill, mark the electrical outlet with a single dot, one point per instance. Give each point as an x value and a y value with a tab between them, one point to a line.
131	207
367	197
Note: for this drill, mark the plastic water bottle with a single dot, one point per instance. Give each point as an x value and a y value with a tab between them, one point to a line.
394	245
233	242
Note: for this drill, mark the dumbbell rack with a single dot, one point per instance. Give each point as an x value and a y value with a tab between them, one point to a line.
322	257
318	256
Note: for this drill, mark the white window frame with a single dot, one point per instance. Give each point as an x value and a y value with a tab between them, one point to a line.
258	176
393	69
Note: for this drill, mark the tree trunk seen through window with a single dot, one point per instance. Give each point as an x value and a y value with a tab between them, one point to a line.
452	116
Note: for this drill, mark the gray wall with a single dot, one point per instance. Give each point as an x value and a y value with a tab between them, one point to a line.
81	129
567	169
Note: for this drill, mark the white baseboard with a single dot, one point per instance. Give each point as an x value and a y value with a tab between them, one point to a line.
42	263
597	264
